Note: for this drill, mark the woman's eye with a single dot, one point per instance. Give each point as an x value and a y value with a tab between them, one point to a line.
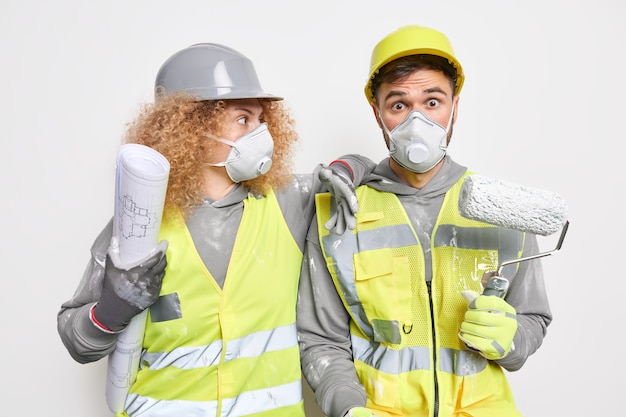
242	120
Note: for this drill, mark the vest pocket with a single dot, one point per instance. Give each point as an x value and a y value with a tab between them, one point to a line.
383	286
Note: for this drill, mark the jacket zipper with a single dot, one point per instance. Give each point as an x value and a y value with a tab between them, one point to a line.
432	320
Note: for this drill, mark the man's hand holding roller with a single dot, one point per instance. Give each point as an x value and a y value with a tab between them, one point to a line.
489	326
127	290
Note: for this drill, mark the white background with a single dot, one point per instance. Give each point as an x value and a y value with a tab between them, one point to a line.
542	106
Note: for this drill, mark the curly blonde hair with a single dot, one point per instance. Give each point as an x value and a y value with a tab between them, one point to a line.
175	126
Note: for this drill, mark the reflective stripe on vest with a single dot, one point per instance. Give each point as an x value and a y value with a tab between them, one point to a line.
413	358
228	351
247	403
207	355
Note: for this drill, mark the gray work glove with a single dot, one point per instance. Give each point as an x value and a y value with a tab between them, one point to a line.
127	290
344	204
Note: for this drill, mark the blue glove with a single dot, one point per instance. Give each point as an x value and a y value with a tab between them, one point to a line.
127	290
344	204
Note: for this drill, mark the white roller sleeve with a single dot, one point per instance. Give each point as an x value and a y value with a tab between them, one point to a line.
141	184
512	206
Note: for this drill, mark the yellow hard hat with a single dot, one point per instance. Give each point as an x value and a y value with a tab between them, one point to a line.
412	40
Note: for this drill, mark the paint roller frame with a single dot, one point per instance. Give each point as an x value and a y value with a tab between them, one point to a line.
496	284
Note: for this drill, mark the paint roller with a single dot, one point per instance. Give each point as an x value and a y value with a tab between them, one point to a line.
512	206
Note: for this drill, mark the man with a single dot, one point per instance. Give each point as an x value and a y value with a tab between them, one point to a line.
394	325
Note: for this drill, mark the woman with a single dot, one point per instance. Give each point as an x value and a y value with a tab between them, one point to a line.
220	338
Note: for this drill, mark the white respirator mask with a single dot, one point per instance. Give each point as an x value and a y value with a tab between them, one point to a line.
250	156
418	143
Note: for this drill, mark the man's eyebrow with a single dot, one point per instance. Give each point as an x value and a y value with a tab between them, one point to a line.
394	93
435	90
399	93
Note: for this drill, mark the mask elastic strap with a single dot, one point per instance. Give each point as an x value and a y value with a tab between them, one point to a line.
444	141
392	144
221	140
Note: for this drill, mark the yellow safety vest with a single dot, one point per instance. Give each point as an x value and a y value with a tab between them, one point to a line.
405	340
225	352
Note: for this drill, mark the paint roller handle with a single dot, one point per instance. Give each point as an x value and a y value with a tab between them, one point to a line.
495	284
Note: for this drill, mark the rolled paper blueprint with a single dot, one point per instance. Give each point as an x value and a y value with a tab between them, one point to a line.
141	184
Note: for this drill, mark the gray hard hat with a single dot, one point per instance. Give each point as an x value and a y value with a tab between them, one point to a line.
210	71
